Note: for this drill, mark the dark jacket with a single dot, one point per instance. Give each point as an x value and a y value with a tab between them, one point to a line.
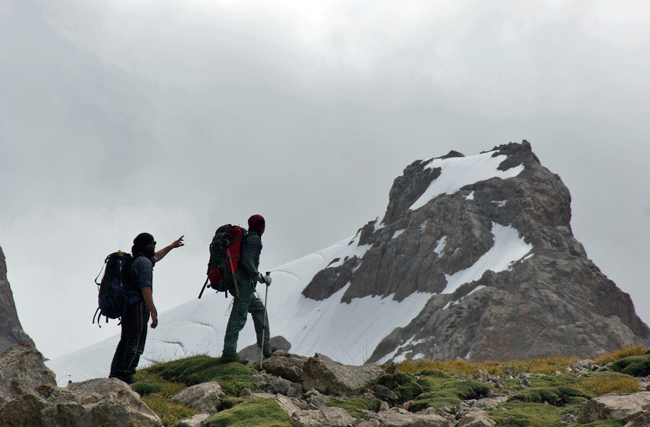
250	257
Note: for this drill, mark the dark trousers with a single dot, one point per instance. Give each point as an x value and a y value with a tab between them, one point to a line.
246	302
131	345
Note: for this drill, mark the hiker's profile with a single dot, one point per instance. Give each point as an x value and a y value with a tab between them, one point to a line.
140	307
246	301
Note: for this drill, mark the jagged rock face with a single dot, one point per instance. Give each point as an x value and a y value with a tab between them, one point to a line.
552	302
11	332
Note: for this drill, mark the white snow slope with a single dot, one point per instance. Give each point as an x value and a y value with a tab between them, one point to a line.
345	332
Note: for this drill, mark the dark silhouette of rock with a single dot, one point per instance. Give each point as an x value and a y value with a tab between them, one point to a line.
11	332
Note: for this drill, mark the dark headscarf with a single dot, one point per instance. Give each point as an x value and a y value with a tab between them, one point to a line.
140	244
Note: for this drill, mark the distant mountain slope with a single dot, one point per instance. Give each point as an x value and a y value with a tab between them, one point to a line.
474	258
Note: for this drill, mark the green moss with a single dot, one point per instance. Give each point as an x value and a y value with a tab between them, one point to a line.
471	390
153	384
605	423
556	396
169	412
232	377
252	412
636	366
435	373
352	406
565	379
404	384
521	414
448	392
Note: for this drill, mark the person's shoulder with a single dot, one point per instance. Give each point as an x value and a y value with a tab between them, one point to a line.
253	237
143	261
252	240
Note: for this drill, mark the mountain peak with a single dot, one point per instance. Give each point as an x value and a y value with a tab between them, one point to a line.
487	240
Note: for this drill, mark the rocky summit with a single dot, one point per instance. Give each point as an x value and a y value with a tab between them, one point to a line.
550	299
11	332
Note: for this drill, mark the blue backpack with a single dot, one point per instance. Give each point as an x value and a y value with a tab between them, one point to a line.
115	289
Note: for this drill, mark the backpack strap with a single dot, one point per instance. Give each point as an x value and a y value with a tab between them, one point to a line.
98	317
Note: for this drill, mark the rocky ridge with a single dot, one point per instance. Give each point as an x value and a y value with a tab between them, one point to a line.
303	387
552	302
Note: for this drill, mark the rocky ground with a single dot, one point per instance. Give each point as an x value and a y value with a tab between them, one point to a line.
292	390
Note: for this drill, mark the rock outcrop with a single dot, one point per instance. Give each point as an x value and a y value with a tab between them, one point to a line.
11	332
628	406
29	396
552	301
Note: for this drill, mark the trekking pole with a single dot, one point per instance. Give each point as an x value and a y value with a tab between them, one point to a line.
266	296
203	288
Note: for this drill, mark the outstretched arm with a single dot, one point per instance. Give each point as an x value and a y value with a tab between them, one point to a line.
164	251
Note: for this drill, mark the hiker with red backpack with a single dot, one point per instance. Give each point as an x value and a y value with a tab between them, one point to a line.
136	314
245	299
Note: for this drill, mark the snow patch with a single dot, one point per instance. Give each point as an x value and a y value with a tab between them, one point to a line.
508	248
460	171
398	233
441	245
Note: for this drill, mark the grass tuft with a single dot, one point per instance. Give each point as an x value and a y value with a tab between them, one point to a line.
610	382
620	354
253	412
169	412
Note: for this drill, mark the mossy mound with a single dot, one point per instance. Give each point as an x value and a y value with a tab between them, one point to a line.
636	366
404	384
233	377
556	396
253	412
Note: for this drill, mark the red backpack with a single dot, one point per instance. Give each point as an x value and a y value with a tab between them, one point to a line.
225	254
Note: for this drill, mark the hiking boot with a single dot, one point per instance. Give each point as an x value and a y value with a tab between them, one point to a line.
226	358
269	350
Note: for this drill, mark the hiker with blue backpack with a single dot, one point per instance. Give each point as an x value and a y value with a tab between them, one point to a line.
245	300
138	281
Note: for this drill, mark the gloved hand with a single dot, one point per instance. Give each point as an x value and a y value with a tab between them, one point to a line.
265	279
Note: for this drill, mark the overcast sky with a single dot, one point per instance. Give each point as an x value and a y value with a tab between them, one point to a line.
174	117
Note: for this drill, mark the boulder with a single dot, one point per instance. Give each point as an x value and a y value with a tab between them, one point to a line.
324	417
205	397
330	377
97	402
22	370
615	405
584	366
198	420
287	404
476	417
252	352
29	396
402	418
488	403
285	365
